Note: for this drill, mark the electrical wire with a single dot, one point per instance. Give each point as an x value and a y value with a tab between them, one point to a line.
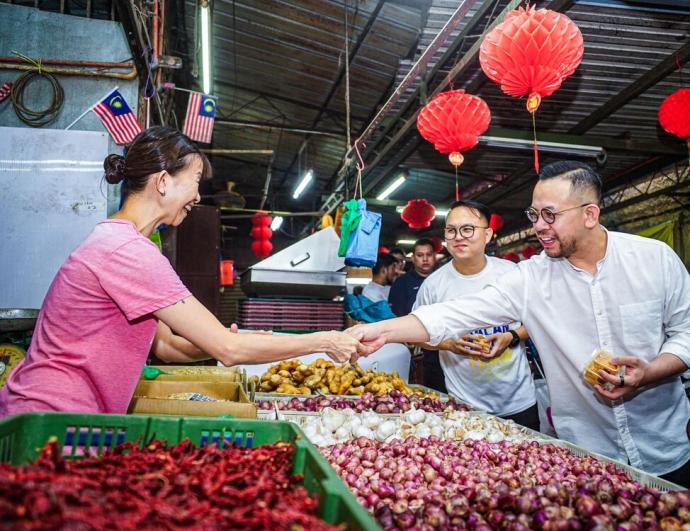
34	117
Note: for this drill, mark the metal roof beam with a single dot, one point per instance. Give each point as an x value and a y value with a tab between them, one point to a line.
644	82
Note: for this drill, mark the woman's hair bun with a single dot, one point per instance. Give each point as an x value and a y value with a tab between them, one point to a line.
114	166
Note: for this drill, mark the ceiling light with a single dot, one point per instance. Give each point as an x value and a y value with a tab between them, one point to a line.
548	147
303	184
405	242
205	15
392	187
276	223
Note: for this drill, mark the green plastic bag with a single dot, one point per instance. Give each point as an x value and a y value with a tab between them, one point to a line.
349	222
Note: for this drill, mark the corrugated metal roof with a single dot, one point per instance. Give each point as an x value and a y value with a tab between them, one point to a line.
276	62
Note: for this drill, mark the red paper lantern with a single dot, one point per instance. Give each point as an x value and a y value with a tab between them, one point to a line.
418	213
529	251
383	249
261	234
496	222
453	121
674	115
531	52
438	244
262	248
513	257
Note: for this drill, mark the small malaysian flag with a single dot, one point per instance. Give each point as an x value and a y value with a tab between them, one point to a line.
201	113
117	117
5	90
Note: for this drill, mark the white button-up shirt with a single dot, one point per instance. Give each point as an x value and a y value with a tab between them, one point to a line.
637	304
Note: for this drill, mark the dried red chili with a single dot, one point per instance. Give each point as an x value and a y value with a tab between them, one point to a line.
159	487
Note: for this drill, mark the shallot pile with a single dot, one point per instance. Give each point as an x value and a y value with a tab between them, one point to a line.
444	484
393	402
159	487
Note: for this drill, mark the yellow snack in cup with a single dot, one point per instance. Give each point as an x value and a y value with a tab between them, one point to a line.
601	361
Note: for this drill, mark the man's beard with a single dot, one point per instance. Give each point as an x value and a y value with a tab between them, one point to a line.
566	249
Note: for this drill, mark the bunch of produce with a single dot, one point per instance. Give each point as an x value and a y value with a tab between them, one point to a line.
333	426
393	402
445	484
159	487
325	377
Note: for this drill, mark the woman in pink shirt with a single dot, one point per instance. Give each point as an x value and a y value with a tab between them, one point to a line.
117	297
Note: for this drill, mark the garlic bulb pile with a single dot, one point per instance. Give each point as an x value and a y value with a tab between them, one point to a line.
335	426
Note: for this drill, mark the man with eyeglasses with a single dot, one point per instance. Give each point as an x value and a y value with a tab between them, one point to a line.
498	381
590	289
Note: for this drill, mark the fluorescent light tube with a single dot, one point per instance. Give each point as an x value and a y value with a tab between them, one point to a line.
405	242
205	15
303	184
552	147
391	188
276	223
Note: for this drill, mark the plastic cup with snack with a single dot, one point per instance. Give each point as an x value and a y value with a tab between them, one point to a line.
480	343
601	361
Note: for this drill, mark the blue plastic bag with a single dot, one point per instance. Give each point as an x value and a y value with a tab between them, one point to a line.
362	249
360	308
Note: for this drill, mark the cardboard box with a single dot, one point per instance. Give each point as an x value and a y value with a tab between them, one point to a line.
151	398
198	373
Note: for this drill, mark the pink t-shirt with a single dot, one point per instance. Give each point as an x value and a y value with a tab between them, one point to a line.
96	326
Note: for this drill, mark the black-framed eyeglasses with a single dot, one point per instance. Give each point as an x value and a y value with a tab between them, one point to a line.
466	231
548	215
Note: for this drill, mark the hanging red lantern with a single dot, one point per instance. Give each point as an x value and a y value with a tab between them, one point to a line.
438	244
531	53
496	222
383	249
674	115
262	248
513	257
261	234
418	213
529	251
453	121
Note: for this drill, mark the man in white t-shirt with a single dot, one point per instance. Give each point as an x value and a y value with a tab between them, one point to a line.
383	274
499	381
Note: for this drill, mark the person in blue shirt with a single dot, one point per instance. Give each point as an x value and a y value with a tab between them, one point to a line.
403	292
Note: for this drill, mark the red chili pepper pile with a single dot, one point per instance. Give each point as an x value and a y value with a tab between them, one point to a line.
159	487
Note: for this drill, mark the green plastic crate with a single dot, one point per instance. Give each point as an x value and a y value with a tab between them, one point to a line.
22	437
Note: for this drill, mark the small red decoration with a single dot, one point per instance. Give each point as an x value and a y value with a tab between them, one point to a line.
261	234
529	251
674	115
383	249
438	244
453	121
496	222
226	273
531	53
418	213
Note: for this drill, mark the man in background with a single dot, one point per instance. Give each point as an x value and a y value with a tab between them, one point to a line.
403	292
401	262
383	275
